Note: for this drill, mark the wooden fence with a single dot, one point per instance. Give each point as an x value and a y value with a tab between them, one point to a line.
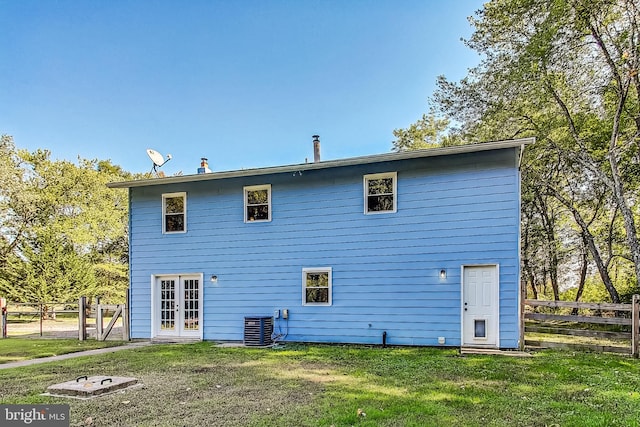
33	313
75	314
102	332
568	323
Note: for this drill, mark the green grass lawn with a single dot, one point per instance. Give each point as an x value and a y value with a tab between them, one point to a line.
315	385
14	349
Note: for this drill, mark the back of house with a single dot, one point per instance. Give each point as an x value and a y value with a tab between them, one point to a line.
410	248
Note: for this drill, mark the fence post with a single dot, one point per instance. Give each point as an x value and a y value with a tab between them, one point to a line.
635	325
82	319
99	320
3	310
41	317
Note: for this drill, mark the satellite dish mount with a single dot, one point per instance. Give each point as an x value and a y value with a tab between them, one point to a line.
157	159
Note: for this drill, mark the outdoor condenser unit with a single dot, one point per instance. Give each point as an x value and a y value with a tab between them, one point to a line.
258	331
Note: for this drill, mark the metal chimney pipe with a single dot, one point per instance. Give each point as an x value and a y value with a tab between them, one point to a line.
316	148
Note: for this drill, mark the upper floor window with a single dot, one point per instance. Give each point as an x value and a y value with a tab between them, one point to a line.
316	286
174	213
257	203
380	193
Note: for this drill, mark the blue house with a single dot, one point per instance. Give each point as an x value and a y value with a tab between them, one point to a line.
414	248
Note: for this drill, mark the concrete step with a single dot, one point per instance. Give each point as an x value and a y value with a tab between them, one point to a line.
494	351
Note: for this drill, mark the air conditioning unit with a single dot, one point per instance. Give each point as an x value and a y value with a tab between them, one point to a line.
258	331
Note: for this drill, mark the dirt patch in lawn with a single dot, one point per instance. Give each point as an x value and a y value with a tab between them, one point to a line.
57	328
212	395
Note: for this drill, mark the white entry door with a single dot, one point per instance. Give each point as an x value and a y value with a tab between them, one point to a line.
177	306
480	311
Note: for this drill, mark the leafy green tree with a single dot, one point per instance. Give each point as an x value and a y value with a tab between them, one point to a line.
50	270
18	210
542	250
428	132
565	71
64	231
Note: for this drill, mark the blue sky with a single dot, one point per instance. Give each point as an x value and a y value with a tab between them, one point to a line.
244	83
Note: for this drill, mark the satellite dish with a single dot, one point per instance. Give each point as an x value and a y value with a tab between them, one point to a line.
157	159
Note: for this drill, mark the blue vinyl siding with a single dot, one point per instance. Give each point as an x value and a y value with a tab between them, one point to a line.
452	211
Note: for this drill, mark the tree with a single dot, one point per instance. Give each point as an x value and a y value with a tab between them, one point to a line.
50	270
64	232
427	132
17	208
541	247
565	71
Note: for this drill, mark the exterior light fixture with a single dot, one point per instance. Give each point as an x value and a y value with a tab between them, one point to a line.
214	279
443	274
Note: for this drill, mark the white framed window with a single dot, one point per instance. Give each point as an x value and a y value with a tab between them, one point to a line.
257	203
316	286
174	213
380	193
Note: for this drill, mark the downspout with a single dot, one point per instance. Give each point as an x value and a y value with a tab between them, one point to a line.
521	288
519	165
128	301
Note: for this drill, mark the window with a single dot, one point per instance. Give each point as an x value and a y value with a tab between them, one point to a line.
174	213
257	203
316	286
380	193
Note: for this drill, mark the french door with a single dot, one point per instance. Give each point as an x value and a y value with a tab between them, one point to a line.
177	306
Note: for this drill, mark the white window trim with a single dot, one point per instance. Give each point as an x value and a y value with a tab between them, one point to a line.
365	182
164	211
256	188
304	287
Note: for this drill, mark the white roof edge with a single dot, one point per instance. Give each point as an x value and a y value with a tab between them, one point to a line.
376	158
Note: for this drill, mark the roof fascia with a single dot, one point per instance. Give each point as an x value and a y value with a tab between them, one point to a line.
377	158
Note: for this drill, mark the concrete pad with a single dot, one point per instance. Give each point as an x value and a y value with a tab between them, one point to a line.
231	344
495	352
88	387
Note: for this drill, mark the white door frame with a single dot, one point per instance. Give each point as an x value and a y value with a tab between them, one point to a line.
495	343
155	309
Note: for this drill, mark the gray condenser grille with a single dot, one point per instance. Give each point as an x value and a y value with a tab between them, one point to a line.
258	331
